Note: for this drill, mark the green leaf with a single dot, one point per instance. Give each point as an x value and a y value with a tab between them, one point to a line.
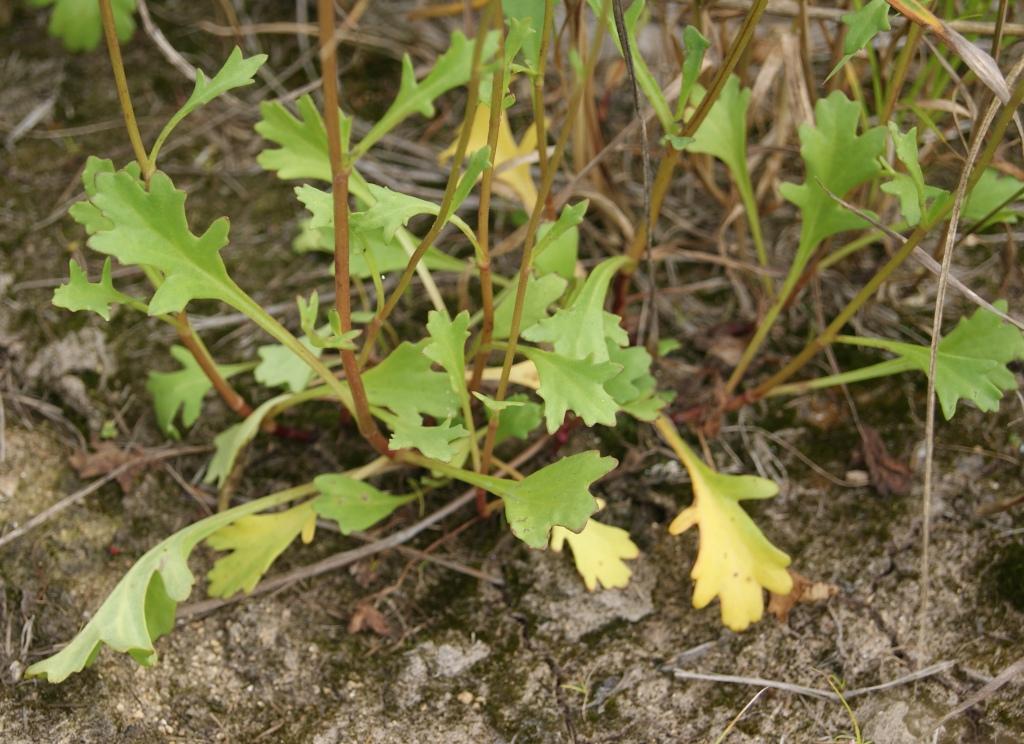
970	362
695	45
280	367
841	160
230	442
255	542
373	230
354	505
519	416
558	494
150	228
559	256
723	134
448	347
77	23
303	141
992	192
404	381
575	385
85	212
861	27
634	388
183	390
530	16
540	294
474	166
237	72
433	441
80	294
452	69
557	242
141	607
578	331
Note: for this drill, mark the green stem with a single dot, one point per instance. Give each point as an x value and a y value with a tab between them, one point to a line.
373	329
874	371
529	242
123	95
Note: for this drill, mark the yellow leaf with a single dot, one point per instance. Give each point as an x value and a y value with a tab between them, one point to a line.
735	561
254	543
599	551
517	177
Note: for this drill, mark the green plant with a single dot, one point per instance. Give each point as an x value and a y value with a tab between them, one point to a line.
428	397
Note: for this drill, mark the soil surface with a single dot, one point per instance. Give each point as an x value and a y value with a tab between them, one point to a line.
526	656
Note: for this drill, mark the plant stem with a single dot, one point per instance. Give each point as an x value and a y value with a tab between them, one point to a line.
483	218
663	177
123	96
473	99
186	333
339	176
531	231
872	372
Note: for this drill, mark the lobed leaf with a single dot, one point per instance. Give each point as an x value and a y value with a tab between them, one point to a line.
735	561
81	294
237	72
575	385
578	331
149	228
183	390
862	26
971	362
404	381
353	504
556	495
600	552
280	367
839	159
255	542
